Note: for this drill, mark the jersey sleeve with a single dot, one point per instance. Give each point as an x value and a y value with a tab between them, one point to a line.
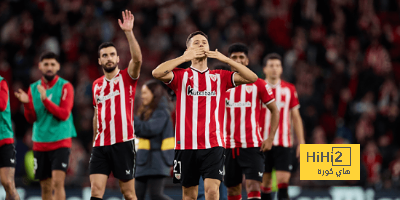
3	95
94	94
29	110
294	100
227	79
176	81
127	77
265	92
63	111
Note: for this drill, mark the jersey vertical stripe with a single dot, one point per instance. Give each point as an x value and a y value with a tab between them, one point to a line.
200	117
286	99
255	137
218	110
195	111
243	108
113	100
182	113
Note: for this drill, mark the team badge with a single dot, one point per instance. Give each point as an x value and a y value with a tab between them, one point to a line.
178	176
249	89
268	89
116	81
213	77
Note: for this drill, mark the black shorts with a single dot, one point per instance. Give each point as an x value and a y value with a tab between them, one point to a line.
47	161
118	158
7	156
280	158
189	165
239	161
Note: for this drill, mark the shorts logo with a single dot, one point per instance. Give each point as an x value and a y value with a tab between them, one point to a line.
260	174
220	172
290	167
64	165
128	172
12	160
249	89
213	77
178	176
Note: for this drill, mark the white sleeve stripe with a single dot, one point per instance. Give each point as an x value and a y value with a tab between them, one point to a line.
233	80
132	77
272	100
296	107
173	76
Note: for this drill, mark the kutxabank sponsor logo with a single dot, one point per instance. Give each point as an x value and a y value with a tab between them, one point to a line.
192	92
236	104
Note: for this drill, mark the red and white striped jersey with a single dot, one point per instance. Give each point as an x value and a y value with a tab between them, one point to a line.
243	108
200	107
286	99
114	100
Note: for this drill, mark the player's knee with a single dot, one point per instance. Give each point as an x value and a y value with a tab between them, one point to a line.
253	185
189	194
8	184
57	183
130	196
212	191
46	188
96	189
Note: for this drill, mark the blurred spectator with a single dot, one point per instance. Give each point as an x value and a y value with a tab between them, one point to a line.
155	153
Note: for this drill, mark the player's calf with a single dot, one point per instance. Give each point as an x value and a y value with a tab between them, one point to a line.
9	187
266	187
235	192
47	190
253	189
128	189
190	193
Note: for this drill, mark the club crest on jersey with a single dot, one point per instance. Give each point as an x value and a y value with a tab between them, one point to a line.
213	77
268	89
249	89
116	81
193	92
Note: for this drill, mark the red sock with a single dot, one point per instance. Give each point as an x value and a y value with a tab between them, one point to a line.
265	189
237	197
254	195
283	185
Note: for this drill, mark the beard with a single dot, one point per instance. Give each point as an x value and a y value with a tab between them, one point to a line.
109	69
49	77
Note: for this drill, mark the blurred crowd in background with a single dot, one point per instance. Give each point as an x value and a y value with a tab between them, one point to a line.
342	55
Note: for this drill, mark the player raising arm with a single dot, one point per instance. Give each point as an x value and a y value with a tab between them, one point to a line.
113	99
199	141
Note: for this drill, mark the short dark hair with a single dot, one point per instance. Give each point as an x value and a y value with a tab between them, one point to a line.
194	34
238	47
105	45
49	55
272	56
